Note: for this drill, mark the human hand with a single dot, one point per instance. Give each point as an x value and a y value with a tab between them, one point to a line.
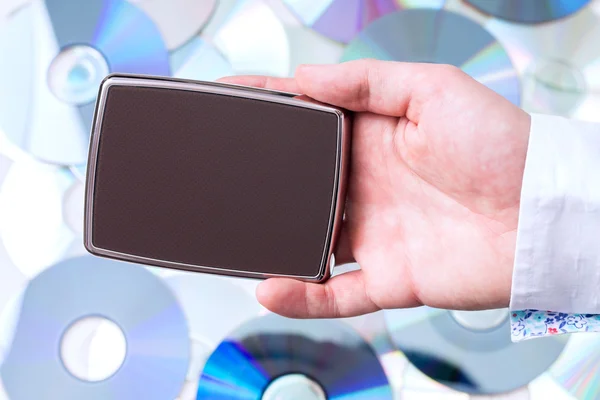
433	194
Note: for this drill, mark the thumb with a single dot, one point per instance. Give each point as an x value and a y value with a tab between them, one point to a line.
382	87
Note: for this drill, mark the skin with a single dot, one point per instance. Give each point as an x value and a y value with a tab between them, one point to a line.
433	194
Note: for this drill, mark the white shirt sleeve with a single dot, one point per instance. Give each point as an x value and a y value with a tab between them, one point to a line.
557	259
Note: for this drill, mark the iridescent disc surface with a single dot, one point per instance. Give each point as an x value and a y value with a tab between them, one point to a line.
529	12
559	63
137	301
199	60
76	73
331	355
470	352
578	371
32	226
213	306
546	387
308	47
75	44
253	39
12	282
177	20
9	316
73	207
3	395
342	20
437	36
8	7
16	85
206	299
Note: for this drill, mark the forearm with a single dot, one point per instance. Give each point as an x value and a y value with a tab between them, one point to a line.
557	258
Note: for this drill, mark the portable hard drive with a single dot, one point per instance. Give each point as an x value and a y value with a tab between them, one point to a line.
216	178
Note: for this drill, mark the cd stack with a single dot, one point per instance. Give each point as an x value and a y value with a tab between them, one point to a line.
188	336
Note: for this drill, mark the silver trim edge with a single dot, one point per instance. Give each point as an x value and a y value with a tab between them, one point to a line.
338	198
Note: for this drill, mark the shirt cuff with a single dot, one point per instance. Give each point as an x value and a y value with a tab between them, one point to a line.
557	258
529	324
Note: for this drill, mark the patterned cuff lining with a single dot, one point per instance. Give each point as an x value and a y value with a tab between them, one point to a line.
528	324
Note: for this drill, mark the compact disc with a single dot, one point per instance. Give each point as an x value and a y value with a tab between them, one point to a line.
578	370
206	299
529	12
11	278
372	328
437	36
73	207
419	386
12	282
9	7
5	164
79	171
546	387
559	63
16	69
135	300
177	20
272	357
75	45
253	40
214	306
308	47
3	395
199	60
220	15
342	20
470	351
32	227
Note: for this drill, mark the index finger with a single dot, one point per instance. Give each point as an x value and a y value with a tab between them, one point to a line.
394	89
263	82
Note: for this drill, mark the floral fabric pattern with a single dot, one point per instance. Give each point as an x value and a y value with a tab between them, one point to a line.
527	324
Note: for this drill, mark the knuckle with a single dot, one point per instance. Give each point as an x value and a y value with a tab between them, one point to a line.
448	71
365	62
331	303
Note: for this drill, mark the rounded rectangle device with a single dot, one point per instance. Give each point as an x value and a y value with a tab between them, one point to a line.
215	178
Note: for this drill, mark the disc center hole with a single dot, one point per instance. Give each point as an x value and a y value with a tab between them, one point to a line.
93	349
552	86
292	387
75	74
480	320
558	75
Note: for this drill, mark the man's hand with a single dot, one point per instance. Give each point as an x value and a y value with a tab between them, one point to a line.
436	169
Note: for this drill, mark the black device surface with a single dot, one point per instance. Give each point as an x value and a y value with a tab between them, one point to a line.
215	178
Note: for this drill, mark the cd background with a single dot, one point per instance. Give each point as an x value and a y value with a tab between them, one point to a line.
259	37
